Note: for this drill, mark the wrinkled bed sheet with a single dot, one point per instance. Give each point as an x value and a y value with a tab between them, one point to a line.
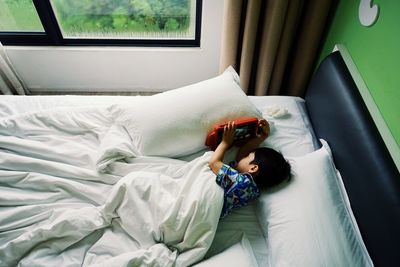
72	192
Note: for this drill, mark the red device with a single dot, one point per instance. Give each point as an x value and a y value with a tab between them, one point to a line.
245	128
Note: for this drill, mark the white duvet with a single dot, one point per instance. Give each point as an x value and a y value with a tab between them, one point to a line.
72	193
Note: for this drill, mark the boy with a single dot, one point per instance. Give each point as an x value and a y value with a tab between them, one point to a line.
255	168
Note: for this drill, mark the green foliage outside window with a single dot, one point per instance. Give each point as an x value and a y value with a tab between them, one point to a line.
105	17
19	15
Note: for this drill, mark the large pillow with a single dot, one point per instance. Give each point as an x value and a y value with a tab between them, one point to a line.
291	134
175	123
308	220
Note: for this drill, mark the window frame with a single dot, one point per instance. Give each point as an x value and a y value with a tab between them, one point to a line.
52	35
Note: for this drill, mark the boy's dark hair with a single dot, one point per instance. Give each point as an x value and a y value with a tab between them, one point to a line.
273	168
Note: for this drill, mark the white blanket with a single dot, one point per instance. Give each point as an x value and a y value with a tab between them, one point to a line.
72	193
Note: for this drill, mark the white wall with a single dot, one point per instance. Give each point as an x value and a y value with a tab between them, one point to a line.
122	68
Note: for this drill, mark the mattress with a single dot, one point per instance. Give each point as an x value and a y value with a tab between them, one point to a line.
291	134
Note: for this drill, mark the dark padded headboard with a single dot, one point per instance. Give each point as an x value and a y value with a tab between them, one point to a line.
339	115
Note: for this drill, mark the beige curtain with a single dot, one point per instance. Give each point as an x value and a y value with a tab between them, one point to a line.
10	83
273	43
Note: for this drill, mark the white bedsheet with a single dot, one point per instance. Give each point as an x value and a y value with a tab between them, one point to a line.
56	209
291	134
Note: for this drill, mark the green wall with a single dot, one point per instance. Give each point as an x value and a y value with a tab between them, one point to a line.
376	52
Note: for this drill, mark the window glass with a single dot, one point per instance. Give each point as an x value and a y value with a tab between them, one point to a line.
126	19
19	16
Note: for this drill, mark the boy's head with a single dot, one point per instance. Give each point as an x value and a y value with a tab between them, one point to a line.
267	166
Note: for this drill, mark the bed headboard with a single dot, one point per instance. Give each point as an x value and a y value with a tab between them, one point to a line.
339	115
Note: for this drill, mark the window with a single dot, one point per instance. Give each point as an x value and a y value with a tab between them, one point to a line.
19	16
100	22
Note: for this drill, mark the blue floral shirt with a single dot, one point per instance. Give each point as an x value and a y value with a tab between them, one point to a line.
239	188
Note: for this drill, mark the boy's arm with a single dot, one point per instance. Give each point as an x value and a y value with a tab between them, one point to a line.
253	143
217	158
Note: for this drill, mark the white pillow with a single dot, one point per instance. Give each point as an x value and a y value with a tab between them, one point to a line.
292	134
175	123
308	222
238	255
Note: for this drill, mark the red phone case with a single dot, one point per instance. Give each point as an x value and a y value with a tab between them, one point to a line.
245	128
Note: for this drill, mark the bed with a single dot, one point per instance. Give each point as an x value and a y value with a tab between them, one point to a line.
123	181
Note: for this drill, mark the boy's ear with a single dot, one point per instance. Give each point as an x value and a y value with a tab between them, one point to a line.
253	168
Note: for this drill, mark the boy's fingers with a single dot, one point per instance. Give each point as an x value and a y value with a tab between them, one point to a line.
229	125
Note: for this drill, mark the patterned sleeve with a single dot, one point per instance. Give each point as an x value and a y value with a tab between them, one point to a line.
239	188
224	176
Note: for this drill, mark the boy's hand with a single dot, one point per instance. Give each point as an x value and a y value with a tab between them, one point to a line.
264	128
228	135
253	143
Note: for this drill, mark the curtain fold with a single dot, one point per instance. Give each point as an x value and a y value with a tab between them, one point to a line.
10	83
249	40
230	33
273	44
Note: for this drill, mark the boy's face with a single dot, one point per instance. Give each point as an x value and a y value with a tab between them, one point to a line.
244	164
